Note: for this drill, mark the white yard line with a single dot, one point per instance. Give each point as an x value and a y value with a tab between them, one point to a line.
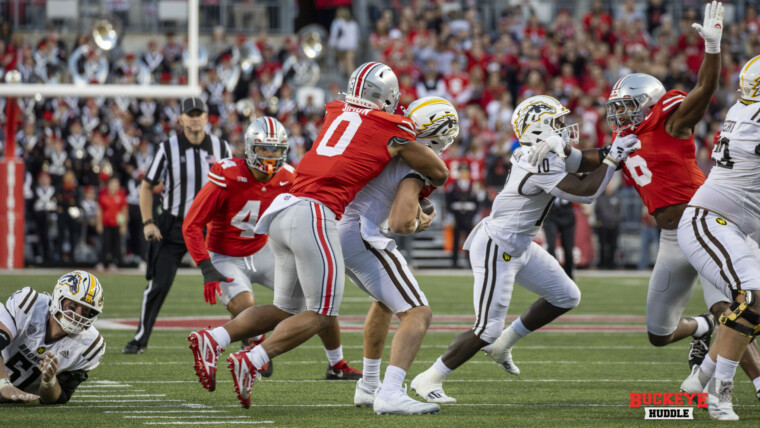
320	362
208	422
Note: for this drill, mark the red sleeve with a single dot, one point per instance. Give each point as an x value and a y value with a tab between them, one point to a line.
200	213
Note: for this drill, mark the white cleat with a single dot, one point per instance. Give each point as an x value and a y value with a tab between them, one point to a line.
503	357
696	382
402	404
429	390
364	396
719	396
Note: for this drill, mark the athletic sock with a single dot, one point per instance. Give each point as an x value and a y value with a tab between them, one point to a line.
394	378
439	371
725	369
702	326
334	356
221	336
708	366
258	357
756	382
511	335
371	369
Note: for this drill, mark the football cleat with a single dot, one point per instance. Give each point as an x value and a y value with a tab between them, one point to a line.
364	396
430	391
696	381
403	404
701	345
244	374
342	371
719	400
504	359
206	353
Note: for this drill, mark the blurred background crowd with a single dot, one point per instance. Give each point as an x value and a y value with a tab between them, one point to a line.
85	157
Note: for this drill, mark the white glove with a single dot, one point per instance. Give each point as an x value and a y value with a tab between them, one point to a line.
621	149
712	28
538	152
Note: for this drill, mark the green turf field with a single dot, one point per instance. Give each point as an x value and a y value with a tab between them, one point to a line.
569	378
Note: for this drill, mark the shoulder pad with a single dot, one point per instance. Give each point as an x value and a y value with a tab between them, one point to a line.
224	172
402	123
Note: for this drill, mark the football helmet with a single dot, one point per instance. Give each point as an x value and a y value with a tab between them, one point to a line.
631	99
436	122
539	117
80	287
373	85
749	80
266	132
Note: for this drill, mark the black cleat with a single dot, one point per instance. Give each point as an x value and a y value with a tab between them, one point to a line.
700	345
133	348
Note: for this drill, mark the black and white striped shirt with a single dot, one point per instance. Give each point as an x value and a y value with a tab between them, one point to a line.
183	167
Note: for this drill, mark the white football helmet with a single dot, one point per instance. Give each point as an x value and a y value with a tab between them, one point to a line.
373	85
80	287
631	99
539	117
269	133
749	80
436	122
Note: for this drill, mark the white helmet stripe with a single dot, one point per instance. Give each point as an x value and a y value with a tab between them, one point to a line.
360	78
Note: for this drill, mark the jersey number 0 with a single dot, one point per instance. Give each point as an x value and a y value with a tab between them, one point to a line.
334	145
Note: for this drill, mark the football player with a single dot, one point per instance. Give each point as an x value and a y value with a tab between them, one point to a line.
238	191
48	344
666	176
718	233
390	202
502	250
358	138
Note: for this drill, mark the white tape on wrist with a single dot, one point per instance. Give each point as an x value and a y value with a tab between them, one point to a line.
712	47
610	161
5	382
49	384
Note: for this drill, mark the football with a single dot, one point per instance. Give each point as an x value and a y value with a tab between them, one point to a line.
426	206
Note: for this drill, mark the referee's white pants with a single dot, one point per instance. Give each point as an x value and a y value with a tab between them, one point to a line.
495	273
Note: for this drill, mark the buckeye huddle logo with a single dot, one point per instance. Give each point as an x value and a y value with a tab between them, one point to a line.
667	402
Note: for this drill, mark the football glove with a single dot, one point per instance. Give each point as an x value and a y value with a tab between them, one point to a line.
712	28
211	280
621	149
538	152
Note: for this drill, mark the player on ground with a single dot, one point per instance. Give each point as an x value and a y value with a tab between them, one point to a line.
718	234
238	192
48	344
358	138
390	202
502	250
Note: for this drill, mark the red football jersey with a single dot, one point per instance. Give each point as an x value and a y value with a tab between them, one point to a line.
351	150
229	206
664	170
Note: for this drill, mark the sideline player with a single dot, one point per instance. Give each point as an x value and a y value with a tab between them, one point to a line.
718	234
502	251
666	176
358	138
48	343
391	202
238	191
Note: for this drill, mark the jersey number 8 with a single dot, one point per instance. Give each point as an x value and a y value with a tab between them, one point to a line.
637	167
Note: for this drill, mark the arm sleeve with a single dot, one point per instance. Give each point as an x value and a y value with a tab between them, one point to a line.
156	171
200	213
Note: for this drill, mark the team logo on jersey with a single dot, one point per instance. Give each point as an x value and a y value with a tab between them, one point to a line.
720	221
242	179
506	257
533	115
72	280
31	329
41	350
65	353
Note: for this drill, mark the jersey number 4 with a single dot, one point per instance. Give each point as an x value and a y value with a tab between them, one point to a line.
246	218
637	167
334	143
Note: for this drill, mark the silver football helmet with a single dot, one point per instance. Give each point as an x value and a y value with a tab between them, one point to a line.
266	133
373	85
436	122
631	99
80	287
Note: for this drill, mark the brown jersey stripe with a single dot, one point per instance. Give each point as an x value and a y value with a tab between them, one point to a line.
31	302
710	252
92	346
401	272
97	351
23	302
389	271
493	286
482	319
722	250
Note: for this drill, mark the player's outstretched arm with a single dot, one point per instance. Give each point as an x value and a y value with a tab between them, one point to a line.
7	390
681	123
406	216
575	160
422	159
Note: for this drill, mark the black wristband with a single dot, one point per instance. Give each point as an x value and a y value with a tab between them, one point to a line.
149	221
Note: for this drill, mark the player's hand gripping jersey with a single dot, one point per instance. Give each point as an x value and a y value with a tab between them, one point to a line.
664	170
351	150
231	203
25	315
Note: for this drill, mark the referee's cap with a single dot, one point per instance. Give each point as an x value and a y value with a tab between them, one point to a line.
192	104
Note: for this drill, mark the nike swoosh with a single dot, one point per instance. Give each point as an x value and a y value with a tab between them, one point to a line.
282	183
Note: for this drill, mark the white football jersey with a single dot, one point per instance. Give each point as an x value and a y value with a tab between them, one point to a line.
25	315
520	208
733	187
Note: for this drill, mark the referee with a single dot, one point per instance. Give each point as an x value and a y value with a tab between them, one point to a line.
182	163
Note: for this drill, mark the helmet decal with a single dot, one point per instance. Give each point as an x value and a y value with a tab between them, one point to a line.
755	88
72	279
533	114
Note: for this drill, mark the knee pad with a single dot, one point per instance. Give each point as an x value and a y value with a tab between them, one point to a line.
741	310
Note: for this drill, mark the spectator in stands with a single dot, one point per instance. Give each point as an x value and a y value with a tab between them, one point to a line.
344	38
608	210
111	223
462	203
68	217
45	205
561	221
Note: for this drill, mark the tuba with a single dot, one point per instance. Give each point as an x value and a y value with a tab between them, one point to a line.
104	34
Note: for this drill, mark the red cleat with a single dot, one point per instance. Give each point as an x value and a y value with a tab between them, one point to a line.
342	371
206	353
243	375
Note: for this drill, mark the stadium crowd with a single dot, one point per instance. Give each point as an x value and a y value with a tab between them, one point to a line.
73	148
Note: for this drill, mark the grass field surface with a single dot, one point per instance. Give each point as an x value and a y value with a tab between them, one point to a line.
579	372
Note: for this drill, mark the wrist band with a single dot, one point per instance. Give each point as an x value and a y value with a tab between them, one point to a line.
50	384
712	47
609	160
149	221
5	382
